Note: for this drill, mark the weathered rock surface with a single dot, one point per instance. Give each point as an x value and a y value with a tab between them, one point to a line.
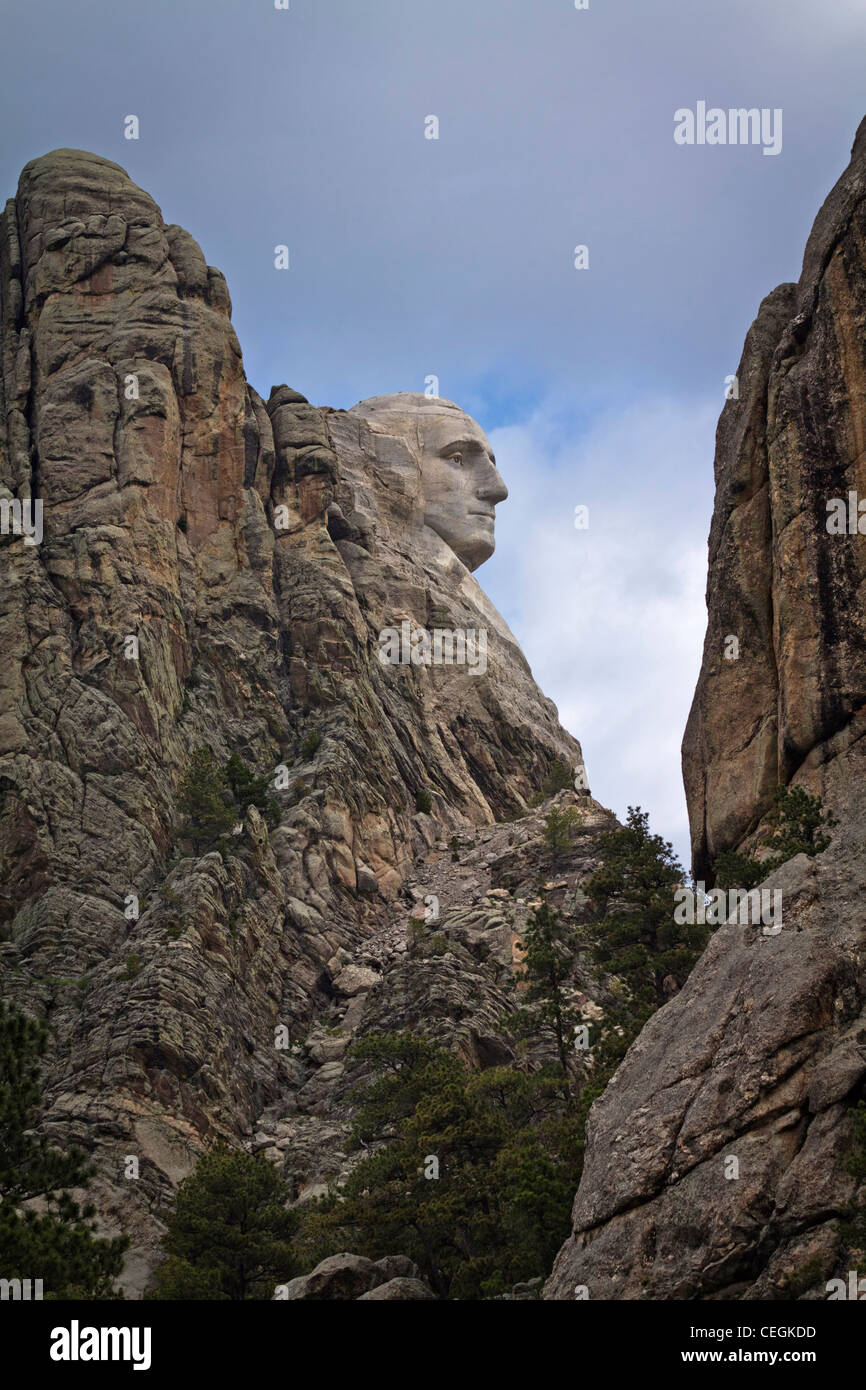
790	592
217	571
340	1277
761	1054
399	1290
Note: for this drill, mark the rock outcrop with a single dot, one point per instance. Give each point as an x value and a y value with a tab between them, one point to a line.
793	696
218	571
392	1279
760	1056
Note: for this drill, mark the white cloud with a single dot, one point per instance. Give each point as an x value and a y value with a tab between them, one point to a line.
612	618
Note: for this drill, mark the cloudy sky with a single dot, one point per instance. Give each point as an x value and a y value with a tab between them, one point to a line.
454	257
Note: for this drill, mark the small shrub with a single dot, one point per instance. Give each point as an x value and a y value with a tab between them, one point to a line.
248	790
559	828
423	801
800	826
300	789
203	802
558	779
311	745
733	870
133	966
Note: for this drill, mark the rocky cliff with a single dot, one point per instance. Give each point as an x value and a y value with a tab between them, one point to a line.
762	1053
216	571
187	566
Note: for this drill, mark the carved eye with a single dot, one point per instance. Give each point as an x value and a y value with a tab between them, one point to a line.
457	459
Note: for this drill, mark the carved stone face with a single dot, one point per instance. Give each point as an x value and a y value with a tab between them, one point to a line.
459	481
461	485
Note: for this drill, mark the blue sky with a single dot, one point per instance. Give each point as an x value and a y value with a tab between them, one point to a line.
454	257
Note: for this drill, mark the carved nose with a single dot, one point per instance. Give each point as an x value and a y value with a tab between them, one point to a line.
493	488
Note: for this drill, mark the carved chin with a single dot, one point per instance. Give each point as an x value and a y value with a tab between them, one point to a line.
476	551
472	548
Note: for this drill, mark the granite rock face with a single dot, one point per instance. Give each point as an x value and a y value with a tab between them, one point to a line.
762	1053
216	570
789	591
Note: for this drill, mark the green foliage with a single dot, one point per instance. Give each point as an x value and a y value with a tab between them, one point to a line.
550	947
192	682
211	798
416	939
800	824
800	827
229	1234
637	938
508	1165
57	1245
733	870
805	1277
454	846
559	779
133	966
249	790
400	1063
300	789
423	801
311	745
203	802
559	828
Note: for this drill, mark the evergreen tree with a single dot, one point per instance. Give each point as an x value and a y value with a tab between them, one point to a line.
637	937
550	948
249	790
800	827
800	824
475	1185
559	828
203	802
57	1245
734	870
229	1232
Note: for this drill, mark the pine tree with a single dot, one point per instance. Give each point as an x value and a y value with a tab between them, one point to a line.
249	790
57	1245
637	937
559	828
550	947
475	1185
229	1234
799	827
203	802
